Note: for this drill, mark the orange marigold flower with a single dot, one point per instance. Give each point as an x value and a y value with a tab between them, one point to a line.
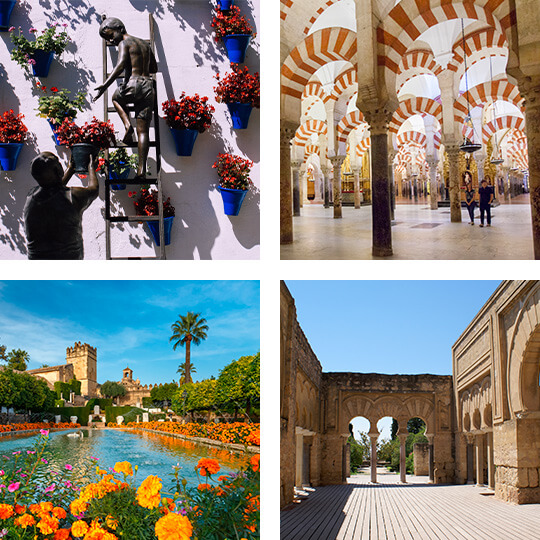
111	522
124	467
78	507
79	528
59	512
208	466
6	511
173	527
255	462
48	524
26	520
148	494
61	534
19	509
202	487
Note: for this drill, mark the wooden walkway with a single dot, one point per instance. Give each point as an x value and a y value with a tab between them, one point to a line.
413	511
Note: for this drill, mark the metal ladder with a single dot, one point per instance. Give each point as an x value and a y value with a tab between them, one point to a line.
109	219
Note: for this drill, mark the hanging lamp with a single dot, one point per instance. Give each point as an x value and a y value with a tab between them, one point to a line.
467	145
496	158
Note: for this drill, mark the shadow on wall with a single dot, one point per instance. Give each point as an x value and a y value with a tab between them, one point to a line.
73	12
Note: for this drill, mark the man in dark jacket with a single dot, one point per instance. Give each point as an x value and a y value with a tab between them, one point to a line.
53	212
486	198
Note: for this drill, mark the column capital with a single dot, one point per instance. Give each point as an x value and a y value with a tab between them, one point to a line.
356	170
378	119
470	438
452	150
529	88
325	169
403	436
287	131
337	160
296	163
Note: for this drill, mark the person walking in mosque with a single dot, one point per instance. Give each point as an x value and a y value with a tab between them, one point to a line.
470	199
486	198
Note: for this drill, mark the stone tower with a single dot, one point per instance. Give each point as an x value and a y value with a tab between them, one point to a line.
83	357
127	374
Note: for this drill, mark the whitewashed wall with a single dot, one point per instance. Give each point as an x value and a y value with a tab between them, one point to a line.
188	58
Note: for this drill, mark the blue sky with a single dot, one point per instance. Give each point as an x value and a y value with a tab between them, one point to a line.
130	323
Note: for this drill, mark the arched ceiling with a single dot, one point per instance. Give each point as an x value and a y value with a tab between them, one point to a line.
342	13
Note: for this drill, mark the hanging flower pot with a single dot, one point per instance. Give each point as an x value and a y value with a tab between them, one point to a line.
184	140
81	153
232	200
113	175
236	45
9	154
239	114
6	7
224	5
41	62
154	229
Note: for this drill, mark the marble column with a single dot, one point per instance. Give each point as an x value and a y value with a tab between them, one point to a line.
296	164
479	455
529	88
286	133
402	459
455	194
373	458
325	170
357	194
337	162
490	461
433	191
378	120
480	159
470	458
431	459
391	156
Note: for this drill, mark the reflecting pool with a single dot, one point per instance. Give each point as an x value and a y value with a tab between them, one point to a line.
153	453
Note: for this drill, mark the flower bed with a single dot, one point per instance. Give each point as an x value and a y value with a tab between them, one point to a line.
42	503
31	426
235	433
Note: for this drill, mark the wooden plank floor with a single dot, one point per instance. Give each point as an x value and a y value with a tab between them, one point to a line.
414	511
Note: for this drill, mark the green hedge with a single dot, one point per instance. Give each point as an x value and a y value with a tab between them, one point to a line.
102	402
65	412
58	402
129	413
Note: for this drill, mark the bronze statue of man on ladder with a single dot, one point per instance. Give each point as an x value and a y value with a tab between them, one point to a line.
138	63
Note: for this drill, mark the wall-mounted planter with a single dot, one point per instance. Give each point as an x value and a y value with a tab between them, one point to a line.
154	229
236	45
54	127
239	114
9	154
113	175
232	200
6	7
184	139
81	153
43	61
225	5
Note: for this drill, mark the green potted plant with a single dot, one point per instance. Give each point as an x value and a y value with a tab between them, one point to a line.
57	106
119	165
12	136
234	181
147	204
39	52
240	91
86	140
186	118
235	32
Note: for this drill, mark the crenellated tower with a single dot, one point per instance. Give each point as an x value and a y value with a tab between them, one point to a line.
83	357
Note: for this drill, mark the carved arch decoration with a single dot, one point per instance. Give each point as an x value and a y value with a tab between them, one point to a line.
475	405
413	106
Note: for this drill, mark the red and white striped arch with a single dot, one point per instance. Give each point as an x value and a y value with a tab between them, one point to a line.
363	146
311	149
502	122
413	106
347	124
314	89
346	82
415	137
317	49
482	93
416	63
306	130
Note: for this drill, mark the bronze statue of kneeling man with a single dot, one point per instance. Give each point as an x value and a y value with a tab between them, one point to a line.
53	212
137	62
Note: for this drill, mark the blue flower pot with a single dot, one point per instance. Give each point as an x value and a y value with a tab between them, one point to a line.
239	114
9	154
43	62
184	139
6	7
113	175
154	229
232	200
54	127
225	5
236	45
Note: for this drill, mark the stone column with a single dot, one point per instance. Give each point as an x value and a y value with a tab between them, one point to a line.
479	447
391	156
337	162
299	459
378	120
373	458
480	158
455	195
357	197
325	170
529	88
402	459
491	465
296	164
286	133
431	467
433	191
470	458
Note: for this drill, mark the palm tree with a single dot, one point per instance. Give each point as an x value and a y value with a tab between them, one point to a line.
182	370
188	329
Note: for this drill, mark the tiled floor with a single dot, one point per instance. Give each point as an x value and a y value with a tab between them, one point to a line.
416	510
417	233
